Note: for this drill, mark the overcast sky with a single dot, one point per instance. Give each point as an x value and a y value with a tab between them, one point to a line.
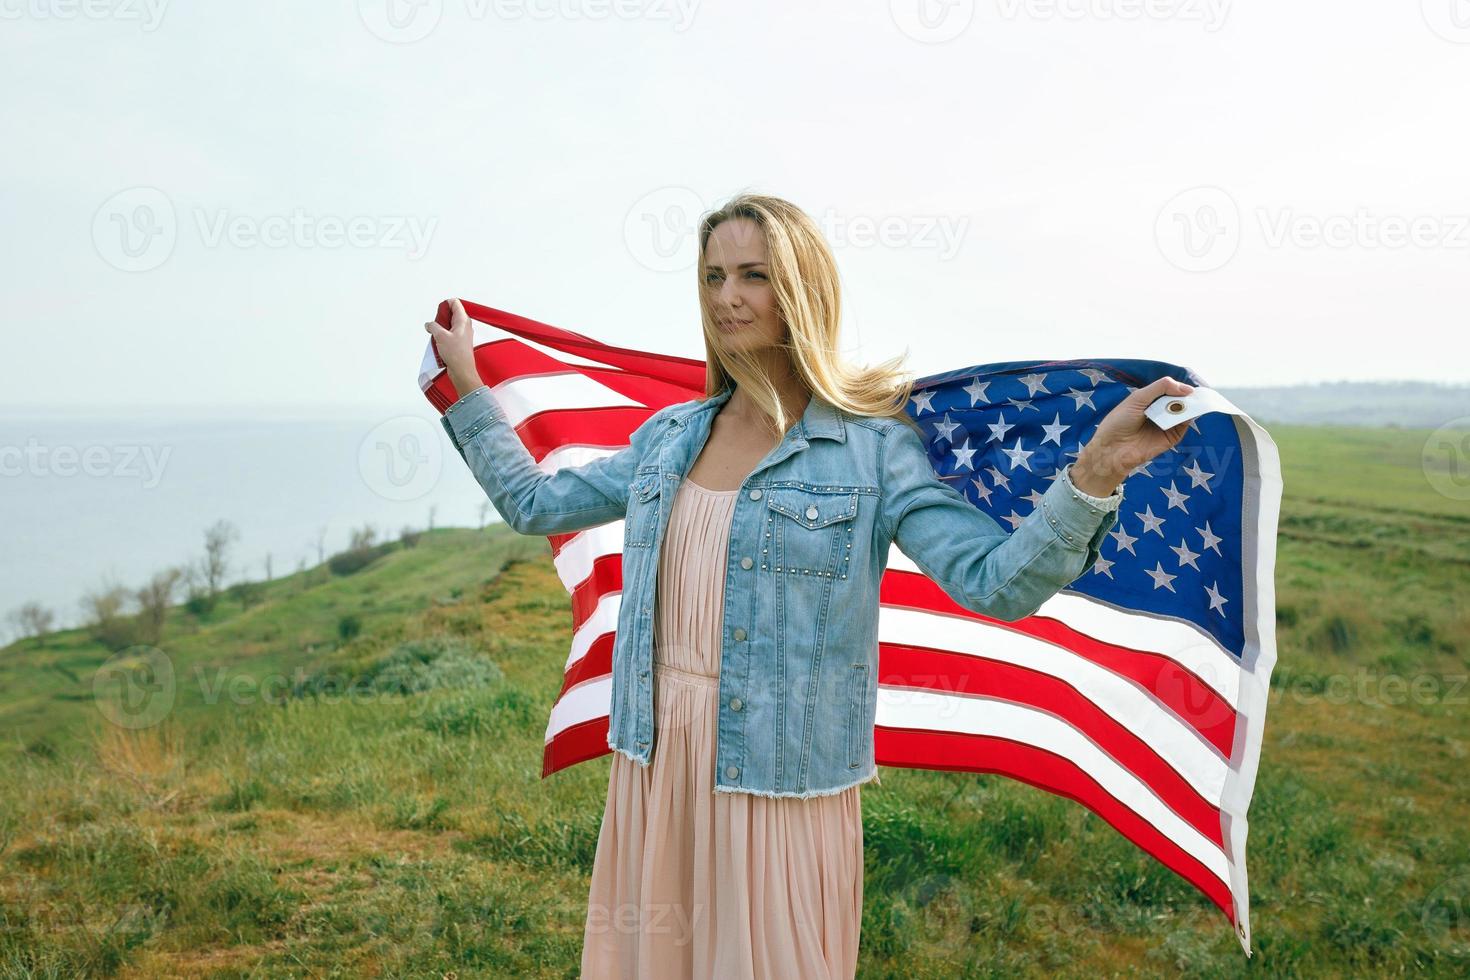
258	205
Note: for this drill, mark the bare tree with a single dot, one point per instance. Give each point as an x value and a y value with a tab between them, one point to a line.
33	621
484	513
106	618
217	540
433	509
154	600
269	576
321	544
363	537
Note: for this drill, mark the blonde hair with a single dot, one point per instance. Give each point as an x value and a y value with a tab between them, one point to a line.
803	275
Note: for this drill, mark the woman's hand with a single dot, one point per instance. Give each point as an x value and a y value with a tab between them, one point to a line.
1126	439
456	347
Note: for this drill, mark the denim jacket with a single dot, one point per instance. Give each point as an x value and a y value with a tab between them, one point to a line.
808	544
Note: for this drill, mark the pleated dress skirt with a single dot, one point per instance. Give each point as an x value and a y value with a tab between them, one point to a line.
691	883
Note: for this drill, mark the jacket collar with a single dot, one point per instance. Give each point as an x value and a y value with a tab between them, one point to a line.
821	420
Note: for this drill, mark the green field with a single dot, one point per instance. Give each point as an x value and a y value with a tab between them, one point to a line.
280	823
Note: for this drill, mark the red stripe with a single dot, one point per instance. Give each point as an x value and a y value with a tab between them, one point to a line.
606	577
595	663
1195	702
956	673
578	743
504	360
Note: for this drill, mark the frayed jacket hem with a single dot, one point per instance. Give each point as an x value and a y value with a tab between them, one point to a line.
871	777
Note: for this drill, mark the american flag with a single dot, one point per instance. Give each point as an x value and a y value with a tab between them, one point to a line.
1139	691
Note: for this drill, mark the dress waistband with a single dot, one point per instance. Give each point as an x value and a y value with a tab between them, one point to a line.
669	670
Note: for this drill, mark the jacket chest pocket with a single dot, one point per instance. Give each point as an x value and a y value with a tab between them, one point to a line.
641	522
809	532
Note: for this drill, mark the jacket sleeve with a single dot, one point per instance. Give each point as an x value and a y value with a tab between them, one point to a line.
968	553
531	500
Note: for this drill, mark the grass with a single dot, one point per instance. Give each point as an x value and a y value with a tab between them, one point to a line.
367	801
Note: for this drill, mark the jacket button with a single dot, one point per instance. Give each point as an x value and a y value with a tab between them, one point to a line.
811	513
739	633
736	704
732	772
755	495
746	562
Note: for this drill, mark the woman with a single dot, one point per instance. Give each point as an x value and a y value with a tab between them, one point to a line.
757	524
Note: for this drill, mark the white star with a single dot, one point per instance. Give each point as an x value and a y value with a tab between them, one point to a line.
946	428
999	429
1124	539
1150	522
1198	477
1162	579
1103	566
1034	496
981	490
962	455
1094	375
1217	601
1080	398
921	402
1019	456
1034	383
1186	557
1021	404
1140	468
1054	431
1212	541
976	389
1176	499
1014	520
998	478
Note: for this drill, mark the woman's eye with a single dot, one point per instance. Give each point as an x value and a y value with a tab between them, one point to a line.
757	274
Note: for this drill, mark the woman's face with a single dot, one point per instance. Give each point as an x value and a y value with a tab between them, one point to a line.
738	287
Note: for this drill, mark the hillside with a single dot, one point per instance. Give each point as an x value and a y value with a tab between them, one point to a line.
324	798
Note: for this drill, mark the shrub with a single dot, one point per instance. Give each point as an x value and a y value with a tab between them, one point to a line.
356	559
348	627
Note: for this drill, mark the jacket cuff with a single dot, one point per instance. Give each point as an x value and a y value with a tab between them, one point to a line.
1071	516
473	412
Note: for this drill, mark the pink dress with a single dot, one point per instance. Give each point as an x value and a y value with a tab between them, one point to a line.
688	882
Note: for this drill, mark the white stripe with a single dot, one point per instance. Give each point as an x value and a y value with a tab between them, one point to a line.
486	333
570	455
586	701
575	561
523	397
604	619
1182	642
932	711
1119	698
